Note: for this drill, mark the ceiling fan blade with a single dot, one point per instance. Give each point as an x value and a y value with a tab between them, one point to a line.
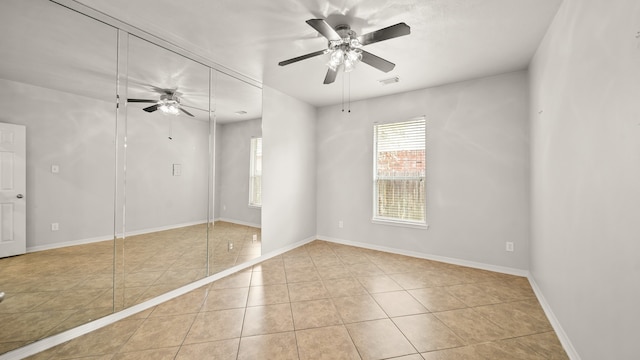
186	112
387	33
151	108
168	92
323	28
377	62
296	59
142	101
331	76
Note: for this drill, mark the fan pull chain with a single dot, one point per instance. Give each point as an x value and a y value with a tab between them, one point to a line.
349	92
343	92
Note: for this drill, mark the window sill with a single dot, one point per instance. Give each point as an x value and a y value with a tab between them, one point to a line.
255	206
413	225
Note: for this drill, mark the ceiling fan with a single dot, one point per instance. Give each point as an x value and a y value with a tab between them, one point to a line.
169	102
345	47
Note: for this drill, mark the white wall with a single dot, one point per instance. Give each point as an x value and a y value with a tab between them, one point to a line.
232	161
155	198
585	156
477	161
289	170
77	134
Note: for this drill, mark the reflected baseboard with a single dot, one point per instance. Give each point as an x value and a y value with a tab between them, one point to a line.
239	222
91	240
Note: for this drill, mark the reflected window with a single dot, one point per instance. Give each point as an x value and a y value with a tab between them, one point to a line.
255	173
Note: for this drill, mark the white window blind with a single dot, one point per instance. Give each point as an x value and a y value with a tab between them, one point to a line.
255	173
399	172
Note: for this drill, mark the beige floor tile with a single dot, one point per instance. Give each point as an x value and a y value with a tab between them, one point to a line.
219	350
328	260
267	319
409	281
73	299
353	258
268	294
472	327
461	353
156	332
30	326
186	304
23	302
153	354
379	339
358	308
364	269
238	280
399	303
326	343
473	294
314	313
216	325
102	341
515	321
409	357
226	299
546	344
270	276
307	291
344	287
275	263
507	350
296	262
427	333
281	346
437	299
334	272
301	274
379	283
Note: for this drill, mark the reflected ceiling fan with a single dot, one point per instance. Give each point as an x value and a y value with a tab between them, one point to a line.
169	102
345	47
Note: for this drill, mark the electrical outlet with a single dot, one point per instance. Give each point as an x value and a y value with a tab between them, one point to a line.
255	237
340	224
55	226
230	246
509	246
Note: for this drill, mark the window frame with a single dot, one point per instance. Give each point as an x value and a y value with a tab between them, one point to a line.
375	218
252	172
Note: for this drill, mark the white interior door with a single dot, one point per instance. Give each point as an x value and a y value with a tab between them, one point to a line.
13	204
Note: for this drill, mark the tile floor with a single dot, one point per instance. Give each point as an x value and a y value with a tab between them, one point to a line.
50	291
329	301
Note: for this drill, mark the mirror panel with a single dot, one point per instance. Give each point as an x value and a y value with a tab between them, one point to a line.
110	220
58	81
166	174
236	234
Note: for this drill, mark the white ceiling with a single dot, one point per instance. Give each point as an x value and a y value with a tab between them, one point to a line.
450	40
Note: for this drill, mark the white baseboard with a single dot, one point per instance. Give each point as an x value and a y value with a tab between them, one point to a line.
444	259
31	249
562	335
239	222
47	343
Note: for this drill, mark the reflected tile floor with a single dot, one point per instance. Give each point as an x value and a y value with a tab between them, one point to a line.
330	301
50	291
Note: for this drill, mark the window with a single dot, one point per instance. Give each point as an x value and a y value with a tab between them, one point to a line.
255	173
399	168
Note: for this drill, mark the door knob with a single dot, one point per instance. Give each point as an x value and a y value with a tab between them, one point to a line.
20	196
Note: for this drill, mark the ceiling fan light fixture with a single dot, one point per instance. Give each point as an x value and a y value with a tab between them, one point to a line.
170	107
